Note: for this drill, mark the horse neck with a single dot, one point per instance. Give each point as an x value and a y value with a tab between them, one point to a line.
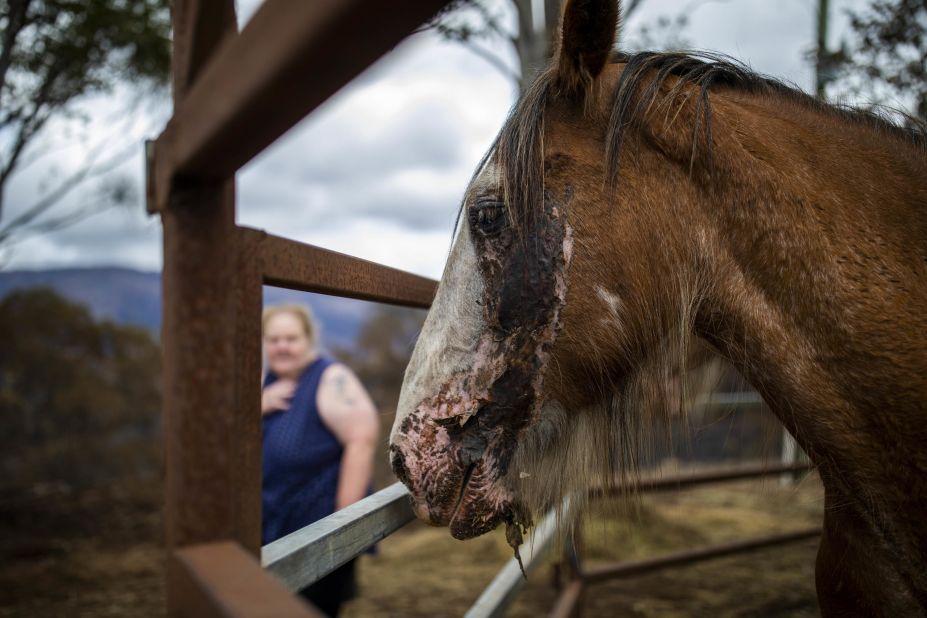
815	241
815	238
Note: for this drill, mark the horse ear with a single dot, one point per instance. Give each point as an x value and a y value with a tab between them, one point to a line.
587	34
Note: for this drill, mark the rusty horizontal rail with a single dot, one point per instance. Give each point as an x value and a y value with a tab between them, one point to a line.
569	600
640	567
222	579
567	603
291	56
702	477
290	264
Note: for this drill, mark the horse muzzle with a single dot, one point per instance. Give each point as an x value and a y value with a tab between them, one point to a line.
449	486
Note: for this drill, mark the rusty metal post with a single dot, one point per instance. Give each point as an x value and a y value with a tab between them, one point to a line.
211	493
246	471
569	603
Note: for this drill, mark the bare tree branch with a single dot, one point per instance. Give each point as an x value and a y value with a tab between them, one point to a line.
54	52
120	122
492	59
31	124
15	21
632	6
31	214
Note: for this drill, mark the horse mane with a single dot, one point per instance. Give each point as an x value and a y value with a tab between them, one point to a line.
519	148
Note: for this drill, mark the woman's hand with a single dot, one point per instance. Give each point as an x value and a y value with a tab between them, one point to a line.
277	396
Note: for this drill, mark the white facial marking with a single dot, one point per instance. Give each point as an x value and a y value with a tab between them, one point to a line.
488	180
449	343
457	363
613	302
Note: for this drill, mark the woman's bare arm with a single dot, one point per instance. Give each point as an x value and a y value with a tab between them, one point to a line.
348	412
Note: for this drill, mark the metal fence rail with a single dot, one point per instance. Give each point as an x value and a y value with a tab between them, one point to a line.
570	599
309	554
499	594
294	265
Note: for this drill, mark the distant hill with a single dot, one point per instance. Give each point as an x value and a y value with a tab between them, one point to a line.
129	296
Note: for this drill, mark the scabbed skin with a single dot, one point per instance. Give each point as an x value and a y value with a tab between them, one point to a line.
468	432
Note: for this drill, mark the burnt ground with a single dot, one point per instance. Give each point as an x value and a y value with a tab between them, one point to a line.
82	552
97	552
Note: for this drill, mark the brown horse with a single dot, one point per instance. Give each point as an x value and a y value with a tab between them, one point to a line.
633	204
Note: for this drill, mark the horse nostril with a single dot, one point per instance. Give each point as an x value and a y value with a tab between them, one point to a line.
399	466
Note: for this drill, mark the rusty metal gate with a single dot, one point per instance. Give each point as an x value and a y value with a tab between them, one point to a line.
234	94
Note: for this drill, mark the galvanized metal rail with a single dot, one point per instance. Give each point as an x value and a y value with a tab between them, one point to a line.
501	591
309	554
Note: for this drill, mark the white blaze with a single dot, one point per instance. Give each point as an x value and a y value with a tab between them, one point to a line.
449	341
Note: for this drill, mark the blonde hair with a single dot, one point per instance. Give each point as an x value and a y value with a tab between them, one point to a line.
301	312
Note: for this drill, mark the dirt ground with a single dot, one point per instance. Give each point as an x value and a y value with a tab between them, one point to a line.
92	552
98	553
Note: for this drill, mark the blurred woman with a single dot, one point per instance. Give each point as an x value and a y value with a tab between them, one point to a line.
320	434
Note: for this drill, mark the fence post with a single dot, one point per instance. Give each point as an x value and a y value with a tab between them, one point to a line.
211	491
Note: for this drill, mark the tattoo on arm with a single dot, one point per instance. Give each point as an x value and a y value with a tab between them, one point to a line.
341	382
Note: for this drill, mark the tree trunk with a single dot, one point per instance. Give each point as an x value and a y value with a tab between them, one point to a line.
535	47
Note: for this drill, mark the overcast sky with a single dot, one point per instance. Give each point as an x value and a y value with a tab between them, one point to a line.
379	170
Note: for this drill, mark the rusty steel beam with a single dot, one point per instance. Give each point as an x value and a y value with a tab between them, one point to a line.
703	477
290	264
224	580
246	471
640	567
289	58
569	602
212	438
199	28
198	329
199	368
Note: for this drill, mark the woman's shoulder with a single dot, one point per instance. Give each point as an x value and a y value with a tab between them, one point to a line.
334	370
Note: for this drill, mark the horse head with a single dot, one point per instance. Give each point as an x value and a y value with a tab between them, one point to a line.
483	415
632	204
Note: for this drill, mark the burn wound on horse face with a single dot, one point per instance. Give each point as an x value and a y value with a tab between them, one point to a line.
466	434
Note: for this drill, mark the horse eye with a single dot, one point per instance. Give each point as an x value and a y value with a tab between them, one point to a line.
487	217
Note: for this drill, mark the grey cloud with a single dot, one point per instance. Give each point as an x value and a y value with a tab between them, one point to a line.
281	205
411	171
427	136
